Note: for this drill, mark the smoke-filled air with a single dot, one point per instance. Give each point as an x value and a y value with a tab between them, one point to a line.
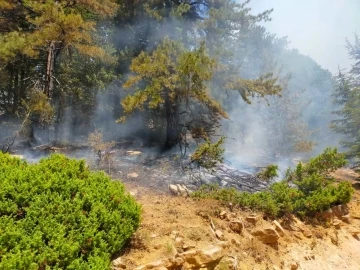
255	98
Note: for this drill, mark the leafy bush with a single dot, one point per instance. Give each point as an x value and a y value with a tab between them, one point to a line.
208	155
59	215
306	190
268	173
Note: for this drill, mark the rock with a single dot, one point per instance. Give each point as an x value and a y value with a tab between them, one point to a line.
133	193
132	175
201	258
179	241
293	265
298	235
179	190
278	228
133	153
252	219
228	262
236	225
173	189
266	235
118	263
223	214
346	218
337	223
187	247
297	225
219	234
230	216
309	256
178	261
340	210
327	215
355	232
155	264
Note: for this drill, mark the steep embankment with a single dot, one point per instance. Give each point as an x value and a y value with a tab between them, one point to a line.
182	233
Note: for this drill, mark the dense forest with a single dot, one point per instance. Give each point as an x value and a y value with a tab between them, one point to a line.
167	73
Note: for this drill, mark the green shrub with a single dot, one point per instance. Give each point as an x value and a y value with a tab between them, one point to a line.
59	215
306	190
268	173
208	155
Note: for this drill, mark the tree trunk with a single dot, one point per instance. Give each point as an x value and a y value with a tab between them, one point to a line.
50	66
172	123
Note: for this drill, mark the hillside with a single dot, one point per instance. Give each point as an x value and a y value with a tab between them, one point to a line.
183	233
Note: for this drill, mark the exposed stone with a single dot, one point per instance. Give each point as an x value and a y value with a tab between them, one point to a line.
118	263
252	219
187	247
132	175
219	234
179	241
298	235
337	223
223	214
293	265
179	190
236	225
133	153
279	228
230	216
297	225
355	232
309	256
203	257
266	235
346	218
228	262
133	193
155	264
340	210
327	215
173	189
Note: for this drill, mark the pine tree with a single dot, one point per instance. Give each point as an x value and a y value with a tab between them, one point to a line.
35	34
347	96
174	80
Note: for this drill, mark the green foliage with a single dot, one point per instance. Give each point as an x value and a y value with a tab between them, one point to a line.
306	190
208	155
268	173
347	96
59	215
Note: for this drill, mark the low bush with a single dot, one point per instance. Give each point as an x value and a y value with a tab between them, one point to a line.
268	173
59	215
305	191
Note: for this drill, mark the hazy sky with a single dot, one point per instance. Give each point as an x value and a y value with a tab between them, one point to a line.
317	28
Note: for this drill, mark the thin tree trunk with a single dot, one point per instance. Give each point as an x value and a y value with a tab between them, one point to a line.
172	123
50	66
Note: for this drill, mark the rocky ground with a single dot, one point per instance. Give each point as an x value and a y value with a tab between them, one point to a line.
178	232
183	233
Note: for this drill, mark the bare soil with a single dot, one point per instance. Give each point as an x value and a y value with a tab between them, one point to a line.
166	218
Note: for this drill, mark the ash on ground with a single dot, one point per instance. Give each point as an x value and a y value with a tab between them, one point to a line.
145	167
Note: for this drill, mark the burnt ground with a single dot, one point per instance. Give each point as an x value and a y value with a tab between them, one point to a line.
147	167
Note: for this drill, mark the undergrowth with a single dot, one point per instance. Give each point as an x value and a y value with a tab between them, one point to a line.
306	190
59	215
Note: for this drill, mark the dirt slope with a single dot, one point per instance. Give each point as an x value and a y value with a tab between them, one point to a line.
171	223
